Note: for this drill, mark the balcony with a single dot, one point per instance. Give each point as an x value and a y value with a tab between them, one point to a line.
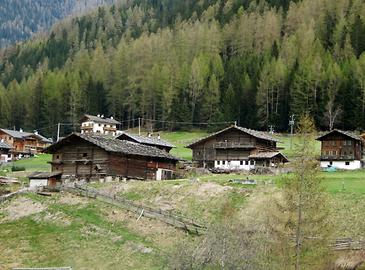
110	129
338	157
87	127
230	145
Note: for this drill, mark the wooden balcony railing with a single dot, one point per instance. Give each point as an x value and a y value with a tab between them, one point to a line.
225	145
337	157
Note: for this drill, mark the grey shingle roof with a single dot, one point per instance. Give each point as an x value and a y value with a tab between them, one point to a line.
16	134
345	133
254	133
4	145
266	155
147	140
100	119
117	146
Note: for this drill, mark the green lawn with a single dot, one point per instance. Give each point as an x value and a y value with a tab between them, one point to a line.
181	139
289	148
37	163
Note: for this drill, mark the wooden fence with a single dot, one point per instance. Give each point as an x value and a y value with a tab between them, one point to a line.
8	196
348	244
167	217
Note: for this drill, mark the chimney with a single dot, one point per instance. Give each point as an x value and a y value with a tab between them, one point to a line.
149	135
35	132
158	136
98	115
102	116
20	130
111	117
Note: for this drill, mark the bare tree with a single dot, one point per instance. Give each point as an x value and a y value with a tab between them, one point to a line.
332	114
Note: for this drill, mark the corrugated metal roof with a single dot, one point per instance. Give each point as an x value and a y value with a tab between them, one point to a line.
254	133
345	133
114	145
147	140
98	119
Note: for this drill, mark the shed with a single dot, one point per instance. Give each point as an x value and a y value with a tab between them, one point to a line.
41	179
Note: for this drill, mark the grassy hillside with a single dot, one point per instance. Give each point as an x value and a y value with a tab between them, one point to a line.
64	230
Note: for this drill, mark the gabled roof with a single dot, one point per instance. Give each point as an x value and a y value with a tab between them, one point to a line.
267	155
114	145
16	134
98	119
146	140
42	138
345	133
4	145
254	133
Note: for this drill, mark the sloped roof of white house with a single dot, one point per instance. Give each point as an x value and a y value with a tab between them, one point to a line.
254	133
98	119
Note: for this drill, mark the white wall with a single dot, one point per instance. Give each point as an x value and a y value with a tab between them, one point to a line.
233	165
38	182
354	165
4	158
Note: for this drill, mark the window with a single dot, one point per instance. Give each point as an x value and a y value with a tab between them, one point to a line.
224	162
331	163
252	162
349	142
58	157
84	155
241	162
218	162
347	163
99	125
333	143
246	162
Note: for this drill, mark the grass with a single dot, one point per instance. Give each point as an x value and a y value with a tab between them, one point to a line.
88	241
181	139
36	163
289	148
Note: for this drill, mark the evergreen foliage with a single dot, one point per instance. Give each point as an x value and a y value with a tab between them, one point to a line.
255	62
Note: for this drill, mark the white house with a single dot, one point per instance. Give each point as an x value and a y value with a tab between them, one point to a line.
99	125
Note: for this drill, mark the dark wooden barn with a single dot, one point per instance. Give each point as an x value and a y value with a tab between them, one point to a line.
237	148
90	156
342	149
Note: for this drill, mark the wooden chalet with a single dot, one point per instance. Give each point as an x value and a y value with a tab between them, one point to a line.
89	156
147	140
24	143
237	148
5	155
99	125
342	150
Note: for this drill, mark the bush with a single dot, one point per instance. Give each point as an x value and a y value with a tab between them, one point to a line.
17	169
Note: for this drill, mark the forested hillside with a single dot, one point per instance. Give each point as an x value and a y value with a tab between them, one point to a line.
20	19
256	62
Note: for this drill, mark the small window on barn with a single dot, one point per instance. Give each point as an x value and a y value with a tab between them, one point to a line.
252	162
241	162
58	157
347	163
84	155
246	162
349	142
333	143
